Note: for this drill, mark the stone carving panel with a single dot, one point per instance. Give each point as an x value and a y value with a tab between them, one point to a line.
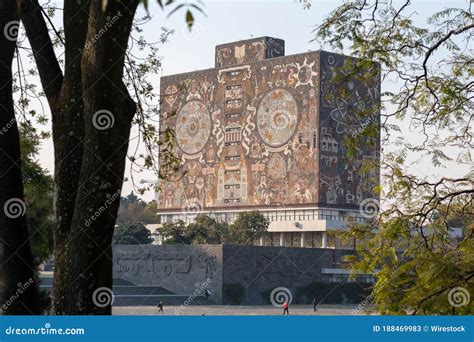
179	268
175	268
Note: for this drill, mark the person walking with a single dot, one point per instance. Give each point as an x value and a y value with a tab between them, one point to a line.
160	307
208	294
286	308
315	304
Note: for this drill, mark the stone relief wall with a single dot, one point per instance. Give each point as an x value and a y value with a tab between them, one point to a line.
180	269
175	268
261	269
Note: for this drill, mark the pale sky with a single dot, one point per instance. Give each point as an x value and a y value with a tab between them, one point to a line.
228	21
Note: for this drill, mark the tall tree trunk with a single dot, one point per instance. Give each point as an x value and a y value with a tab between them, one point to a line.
87	270
89	160
68	136
18	287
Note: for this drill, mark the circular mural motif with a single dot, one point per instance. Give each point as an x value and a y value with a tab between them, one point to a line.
277	117
305	74
193	127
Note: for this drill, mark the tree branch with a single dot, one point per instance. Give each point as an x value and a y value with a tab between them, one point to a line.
37	32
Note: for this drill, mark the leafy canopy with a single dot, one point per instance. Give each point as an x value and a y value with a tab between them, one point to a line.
427	69
207	230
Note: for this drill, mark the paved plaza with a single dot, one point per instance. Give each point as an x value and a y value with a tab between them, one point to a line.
227	310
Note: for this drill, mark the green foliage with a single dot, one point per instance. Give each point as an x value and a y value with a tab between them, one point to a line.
423	266
204	230
134	210
38	187
176	234
247	227
132	234
233	293
207	230
429	68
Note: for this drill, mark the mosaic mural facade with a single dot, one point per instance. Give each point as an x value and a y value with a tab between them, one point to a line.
342	95
265	132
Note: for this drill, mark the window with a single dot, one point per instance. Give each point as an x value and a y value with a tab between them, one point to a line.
233	104
232	186
232	158
233	134
233	73
233	129
229	217
232	200
233	115
281	216
271	216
